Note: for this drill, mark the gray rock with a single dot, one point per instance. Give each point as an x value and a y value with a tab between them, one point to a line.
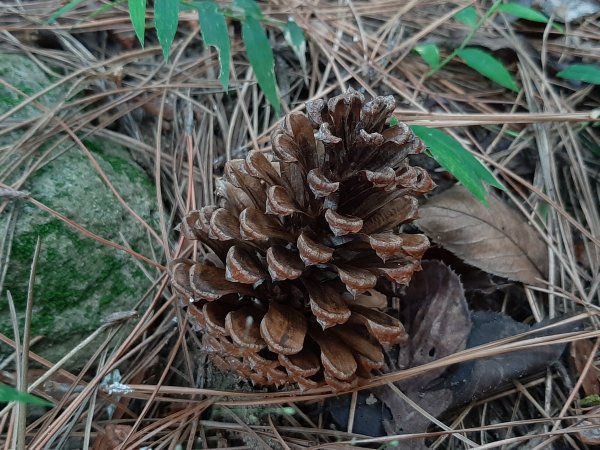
570	10
565	10
26	76
79	281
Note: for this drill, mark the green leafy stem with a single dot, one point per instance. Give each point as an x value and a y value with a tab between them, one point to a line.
448	152
480	60
10	394
214	31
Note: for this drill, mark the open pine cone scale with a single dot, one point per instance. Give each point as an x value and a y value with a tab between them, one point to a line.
299	244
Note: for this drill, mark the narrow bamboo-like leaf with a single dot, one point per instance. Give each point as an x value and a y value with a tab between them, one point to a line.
590	73
10	394
295	37
468	16
104	9
471	163
526	13
166	17
250	8
523	12
488	66
260	56
430	53
137	14
214	32
69	6
448	152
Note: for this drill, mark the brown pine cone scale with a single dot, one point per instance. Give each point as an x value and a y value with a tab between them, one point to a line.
300	244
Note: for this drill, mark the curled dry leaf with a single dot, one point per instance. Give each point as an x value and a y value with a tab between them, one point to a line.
442	323
496	239
439	327
472	379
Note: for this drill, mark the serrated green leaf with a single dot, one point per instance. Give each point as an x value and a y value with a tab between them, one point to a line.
448	152
250	8
214	32
468	16
69	6
294	35
260	56
10	394
166	18
488	66
590	73
430	53
137	14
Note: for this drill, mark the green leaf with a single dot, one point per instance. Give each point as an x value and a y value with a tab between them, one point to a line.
214	32
526	13
468	16
69	6
294	35
430	53
10	394
250	8
166	17
259	50
260	56
104	8
488	66
590	73
523	12
448	152
137	13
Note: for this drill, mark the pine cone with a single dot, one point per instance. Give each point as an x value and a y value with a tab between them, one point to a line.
287	290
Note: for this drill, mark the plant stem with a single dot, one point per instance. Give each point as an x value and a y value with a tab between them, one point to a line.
467	39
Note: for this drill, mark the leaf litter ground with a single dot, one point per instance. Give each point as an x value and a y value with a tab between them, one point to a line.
153	386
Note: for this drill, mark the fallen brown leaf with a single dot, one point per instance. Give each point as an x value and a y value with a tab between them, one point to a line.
442	323
439	327
589	431
473	379
111	437
461	384
495	238
580	351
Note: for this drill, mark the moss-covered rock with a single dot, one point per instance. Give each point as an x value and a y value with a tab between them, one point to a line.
79	281
26	76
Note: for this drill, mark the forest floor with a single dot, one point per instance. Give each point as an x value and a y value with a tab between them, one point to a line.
147	383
